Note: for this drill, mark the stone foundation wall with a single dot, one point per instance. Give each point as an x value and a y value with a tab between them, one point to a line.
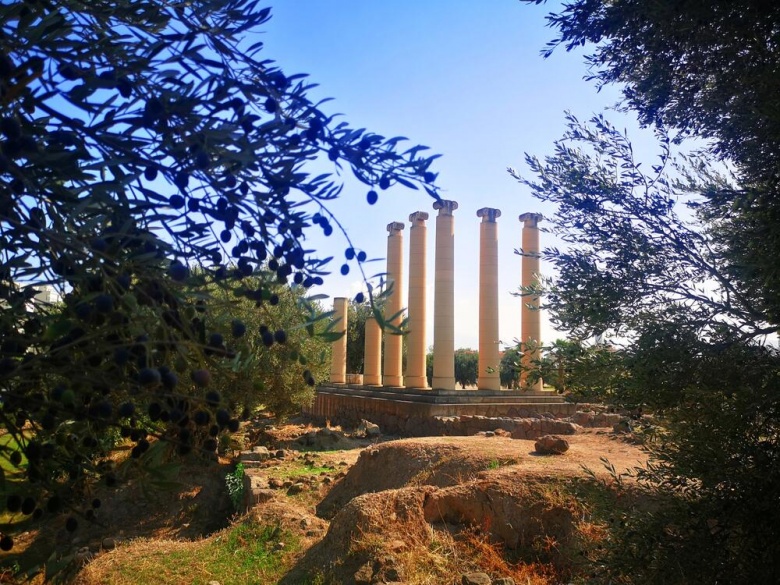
417	415
395	415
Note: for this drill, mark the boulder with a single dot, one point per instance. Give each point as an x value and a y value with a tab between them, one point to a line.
551	445
475	579
368	429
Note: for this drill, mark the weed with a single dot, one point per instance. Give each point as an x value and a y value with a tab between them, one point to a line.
235	486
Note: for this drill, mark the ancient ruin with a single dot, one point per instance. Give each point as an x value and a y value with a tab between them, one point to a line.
402	399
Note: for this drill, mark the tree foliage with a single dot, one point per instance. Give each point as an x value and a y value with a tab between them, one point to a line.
691	348
151	155
265	368
706	69
510	367
358	314
693	302
466	367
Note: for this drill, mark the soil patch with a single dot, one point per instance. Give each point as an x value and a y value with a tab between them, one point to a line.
412	510
446	461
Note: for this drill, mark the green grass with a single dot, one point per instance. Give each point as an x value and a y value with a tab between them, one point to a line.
307	470
248	547
245	553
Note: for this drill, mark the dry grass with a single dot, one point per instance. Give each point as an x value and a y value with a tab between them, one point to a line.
453	552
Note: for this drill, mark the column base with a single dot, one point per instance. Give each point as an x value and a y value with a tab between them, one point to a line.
394	381
443	383
372	380
416	382
489	384
338	379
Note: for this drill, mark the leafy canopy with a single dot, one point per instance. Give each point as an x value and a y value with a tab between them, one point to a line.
150	154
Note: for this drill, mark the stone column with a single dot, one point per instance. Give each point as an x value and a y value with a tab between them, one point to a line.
444	297
489	358
394	303
530	315
372	357
415	342
338	364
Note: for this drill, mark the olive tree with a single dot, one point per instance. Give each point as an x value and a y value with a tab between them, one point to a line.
689	345
150	151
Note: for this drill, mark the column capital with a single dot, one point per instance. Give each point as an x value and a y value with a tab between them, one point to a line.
531	220
489	214
395	227
445	206
418	217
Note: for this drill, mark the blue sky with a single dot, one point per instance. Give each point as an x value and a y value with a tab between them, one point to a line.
465	78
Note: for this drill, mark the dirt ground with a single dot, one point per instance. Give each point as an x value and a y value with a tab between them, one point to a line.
432	476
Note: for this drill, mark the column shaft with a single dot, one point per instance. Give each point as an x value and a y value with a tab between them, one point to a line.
338	365
393	374
444	298
372	358
489	355
531	330
415	343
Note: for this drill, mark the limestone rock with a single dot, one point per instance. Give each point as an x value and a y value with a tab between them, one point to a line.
255	454
475	579
260	496
551	445
368	429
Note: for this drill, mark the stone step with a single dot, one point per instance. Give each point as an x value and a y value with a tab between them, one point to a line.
444	396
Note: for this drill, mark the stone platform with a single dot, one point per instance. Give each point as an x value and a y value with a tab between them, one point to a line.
402	409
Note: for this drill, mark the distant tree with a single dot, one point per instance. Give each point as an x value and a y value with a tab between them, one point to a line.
267	348
557	363
510	367
150	154
466	367
585	372
358	313
429	366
